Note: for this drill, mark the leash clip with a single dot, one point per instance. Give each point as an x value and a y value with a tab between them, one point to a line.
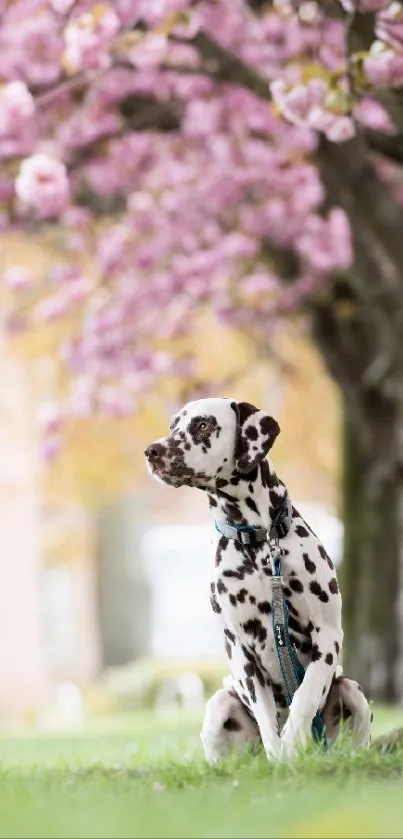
275	556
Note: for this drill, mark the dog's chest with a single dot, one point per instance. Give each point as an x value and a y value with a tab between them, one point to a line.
241	595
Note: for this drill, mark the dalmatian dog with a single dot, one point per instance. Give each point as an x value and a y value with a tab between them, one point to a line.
220	446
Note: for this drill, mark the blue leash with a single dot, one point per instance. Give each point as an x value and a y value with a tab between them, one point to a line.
291	669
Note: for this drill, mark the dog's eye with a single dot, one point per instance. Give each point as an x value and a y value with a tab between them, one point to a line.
202	426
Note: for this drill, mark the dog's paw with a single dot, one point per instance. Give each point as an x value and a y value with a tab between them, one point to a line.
292	742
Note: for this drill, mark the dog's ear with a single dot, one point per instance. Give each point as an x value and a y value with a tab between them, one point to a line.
256	433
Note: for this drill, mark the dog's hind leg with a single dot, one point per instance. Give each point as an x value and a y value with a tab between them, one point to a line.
346	707
226	726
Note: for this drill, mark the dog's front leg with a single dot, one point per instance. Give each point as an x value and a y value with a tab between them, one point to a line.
315	685
247	671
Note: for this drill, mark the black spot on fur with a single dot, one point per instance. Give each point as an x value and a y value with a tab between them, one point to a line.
337	647
251	504
220	483
264	607
254	627
329	658
212	501
213	600
251	688
301	531
318	590
232	725
325	556
221	547
278	695
316	653
230	635
221	587
294	624
252	599
251	433
296	585
333	587
269	479
238	575
233	512
228	649
309	565
292	608
242	593
232	599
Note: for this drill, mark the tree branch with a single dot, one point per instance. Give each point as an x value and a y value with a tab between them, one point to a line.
386	145
224	66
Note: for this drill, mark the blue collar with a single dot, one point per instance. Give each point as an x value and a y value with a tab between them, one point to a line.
250	535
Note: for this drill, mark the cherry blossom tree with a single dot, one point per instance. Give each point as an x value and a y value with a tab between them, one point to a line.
239	155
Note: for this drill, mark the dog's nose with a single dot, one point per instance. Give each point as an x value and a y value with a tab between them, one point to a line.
154	451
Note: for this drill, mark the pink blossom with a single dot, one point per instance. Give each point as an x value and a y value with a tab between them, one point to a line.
62	6
50	417
259	283
389	26
16	107
326	243
42	184
76	217
365	5
31	48
88	38
157	12
384	69
297	103
50	447
78	290
51	308
202	118
370	112
190	215
112	249
15	324
373	5
115	402
18	277
80	403
129	11
341	130
149	51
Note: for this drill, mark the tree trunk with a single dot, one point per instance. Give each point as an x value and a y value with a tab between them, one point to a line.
371	574
358	328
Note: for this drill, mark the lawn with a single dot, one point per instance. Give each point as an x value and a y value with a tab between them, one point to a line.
145	777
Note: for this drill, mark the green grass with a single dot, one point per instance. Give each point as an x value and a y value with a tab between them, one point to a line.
146	777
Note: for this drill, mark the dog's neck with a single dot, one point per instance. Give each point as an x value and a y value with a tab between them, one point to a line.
248	499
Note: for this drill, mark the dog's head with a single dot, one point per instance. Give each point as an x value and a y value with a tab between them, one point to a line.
212	439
